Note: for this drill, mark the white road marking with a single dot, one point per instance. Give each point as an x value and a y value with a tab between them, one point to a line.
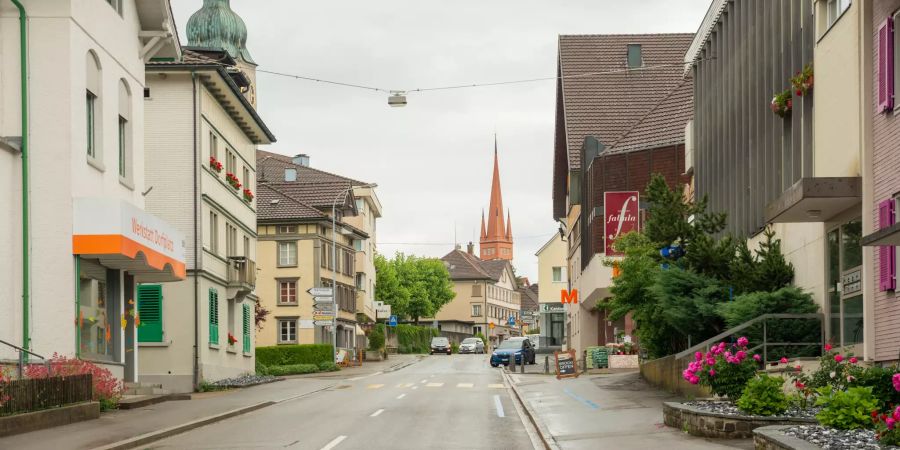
415	387
434	384
465	385
376	413
355	378
431	376
334	443
499	406
375	386
401	396
496	386
423	381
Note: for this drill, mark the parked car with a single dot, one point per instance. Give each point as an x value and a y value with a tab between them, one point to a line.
518	347
440	345
535	340
471	345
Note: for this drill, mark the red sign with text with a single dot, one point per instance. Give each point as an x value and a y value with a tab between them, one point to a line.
620	215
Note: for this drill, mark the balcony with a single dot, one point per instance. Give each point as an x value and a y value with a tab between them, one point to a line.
241	276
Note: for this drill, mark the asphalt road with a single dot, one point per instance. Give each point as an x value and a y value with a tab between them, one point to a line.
442	402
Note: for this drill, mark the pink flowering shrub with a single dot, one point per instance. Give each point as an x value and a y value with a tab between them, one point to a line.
887	426
724	369
107	388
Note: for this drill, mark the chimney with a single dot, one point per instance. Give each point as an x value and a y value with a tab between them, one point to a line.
471	248
301	160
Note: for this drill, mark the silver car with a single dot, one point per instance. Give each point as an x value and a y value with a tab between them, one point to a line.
471	345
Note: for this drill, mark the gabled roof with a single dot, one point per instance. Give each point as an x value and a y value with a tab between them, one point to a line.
663	125
495	268
609	103
270	168
317	195
529	296
463	266
272	204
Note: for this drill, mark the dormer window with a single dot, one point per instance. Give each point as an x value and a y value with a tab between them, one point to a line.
290	174
635	57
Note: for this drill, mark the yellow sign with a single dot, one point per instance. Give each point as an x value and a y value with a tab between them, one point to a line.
491	325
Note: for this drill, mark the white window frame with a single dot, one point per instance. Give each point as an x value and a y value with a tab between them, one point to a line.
834	9
476	310
287	258
213	233
287	327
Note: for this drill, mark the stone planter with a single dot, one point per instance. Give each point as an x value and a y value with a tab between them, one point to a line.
373	356
623	362
772	438
697	422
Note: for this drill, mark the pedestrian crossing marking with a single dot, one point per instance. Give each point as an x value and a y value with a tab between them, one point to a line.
375	386
496	386
465	385
434	384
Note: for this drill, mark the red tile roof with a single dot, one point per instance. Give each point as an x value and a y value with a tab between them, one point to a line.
272	204
270	168
663	125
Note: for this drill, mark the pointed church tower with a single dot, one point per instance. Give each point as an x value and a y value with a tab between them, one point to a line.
215	26
496	241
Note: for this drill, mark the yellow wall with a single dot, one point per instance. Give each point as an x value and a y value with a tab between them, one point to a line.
553	254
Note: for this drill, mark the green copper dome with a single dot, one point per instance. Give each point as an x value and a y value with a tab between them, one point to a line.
215	25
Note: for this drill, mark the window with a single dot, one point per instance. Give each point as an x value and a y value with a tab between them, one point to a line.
360	281
230	162
834	9
287	331
147	93
213	146
476	290
476	310
246	180
213	316
98	317
213	233
287	292
476	330
557	274
116	4
635	58
122	124
124	132
323	256
230	325
149	309
287	254
360	205
246	327
287	229
358	244
348	262
290	174
230	240
93	110
91	102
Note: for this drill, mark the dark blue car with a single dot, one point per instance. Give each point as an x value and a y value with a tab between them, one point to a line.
519	346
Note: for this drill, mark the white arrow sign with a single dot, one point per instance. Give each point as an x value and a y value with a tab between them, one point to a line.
322	323
321	292
328	300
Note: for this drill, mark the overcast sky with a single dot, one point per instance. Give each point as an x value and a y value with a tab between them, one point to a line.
432	160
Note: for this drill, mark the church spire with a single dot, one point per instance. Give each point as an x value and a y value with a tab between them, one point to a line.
496	241
483	232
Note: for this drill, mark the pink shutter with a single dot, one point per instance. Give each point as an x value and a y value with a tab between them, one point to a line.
887	256
885	49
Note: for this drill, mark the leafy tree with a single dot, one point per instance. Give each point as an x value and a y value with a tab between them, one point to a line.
414	287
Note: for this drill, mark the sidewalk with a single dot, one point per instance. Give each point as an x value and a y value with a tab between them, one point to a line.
116	426
605	411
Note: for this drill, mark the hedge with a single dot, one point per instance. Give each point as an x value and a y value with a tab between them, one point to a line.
291	369
285	355
413	339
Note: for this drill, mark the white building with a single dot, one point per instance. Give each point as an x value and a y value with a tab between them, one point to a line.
202	133
87	240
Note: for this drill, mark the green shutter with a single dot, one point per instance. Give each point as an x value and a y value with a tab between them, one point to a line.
246	328
150	313
213	316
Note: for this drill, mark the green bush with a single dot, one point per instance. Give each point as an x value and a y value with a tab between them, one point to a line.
483	339
328	366
454	347
376	338
413	339
763	396
261	368
879	379
285	355
789	300
846	410
292	369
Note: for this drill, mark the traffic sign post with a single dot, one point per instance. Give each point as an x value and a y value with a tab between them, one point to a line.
392	322
321	292
322	300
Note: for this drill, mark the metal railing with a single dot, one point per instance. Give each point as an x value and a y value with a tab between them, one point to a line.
241	271
20	366
770	336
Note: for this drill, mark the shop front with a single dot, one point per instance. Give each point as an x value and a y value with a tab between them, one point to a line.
117	246
552	324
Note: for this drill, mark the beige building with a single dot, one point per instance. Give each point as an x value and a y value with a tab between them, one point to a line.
202	132
486	295
552	280
296	250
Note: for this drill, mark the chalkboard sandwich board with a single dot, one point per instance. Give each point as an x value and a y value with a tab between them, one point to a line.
566	364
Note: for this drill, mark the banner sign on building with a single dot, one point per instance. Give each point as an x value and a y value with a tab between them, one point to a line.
620	215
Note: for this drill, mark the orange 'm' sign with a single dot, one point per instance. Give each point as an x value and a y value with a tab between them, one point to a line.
569	296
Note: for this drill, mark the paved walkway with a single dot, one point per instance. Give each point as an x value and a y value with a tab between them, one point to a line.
116	426
618	411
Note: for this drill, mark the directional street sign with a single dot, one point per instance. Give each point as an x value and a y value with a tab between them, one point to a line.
392	322
320	292
322	323
326	306
327	300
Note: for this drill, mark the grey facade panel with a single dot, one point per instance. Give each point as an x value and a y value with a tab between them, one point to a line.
745	156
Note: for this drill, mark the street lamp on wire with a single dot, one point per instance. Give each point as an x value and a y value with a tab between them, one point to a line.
334	305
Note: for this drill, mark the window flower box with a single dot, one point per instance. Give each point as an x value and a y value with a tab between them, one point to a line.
802	82
214	164
248	195
782	103
231	339
233	180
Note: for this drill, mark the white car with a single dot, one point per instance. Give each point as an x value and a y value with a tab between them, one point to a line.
471	345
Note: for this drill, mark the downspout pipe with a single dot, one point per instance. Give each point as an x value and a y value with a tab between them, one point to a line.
26	242
195	169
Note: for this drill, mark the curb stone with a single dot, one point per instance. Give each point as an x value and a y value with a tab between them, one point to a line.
543	432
